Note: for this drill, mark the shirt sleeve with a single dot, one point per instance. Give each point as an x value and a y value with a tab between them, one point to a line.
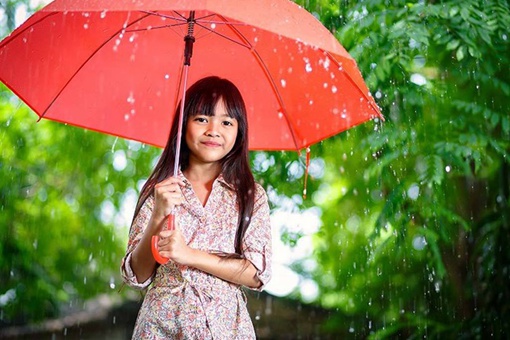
135	234
257	243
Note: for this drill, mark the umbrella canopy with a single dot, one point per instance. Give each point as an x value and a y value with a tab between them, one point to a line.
114	66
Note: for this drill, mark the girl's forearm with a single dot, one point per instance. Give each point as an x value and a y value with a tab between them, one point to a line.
238	271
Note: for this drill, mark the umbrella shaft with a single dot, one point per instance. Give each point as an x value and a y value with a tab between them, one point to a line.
189	39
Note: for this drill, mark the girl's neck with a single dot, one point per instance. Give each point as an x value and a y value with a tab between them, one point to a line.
203	173
201	178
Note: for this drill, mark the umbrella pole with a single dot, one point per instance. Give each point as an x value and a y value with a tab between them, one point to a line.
189	39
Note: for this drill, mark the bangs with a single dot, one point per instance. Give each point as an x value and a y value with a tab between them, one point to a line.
206	102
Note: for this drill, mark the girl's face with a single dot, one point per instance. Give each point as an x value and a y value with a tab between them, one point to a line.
210	138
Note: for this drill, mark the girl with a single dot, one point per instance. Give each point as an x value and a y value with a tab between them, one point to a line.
222	239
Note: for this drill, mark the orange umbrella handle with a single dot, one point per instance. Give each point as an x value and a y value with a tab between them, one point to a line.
154	242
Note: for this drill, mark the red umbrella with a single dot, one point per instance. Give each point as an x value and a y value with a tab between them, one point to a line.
116	66
113	66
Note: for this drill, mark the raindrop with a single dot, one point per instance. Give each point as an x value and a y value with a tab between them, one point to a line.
504	36
24	40
280	115
167	76
334	89
289	70
103	14
419	242
114	144
131	98
213	25
378	94
325	85
448	168
126	117
413	192
86	26
418	79
284	82
308	68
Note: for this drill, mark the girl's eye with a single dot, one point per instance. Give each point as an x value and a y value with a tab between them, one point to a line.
201	119
228	123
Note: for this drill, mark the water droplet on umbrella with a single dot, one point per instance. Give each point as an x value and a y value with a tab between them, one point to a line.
167	76
213	25
284	83
325	85
126	117
131	98
334	89
103	14
280	115
308	68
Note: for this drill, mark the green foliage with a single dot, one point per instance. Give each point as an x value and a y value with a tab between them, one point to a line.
56	246
422	198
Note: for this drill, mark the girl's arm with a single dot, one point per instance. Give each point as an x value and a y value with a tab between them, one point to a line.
238	271
253	271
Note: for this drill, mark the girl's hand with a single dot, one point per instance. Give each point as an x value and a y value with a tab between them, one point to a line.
167	195
172	245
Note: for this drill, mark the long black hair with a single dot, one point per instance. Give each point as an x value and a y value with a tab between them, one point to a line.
201	99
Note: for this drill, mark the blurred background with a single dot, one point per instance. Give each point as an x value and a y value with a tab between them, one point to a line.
404	230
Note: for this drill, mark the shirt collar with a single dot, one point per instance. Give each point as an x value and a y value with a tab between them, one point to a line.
219	179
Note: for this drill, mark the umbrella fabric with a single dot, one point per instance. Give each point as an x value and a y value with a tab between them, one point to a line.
114	66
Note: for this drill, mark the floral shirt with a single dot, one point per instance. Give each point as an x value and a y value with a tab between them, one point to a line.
186	303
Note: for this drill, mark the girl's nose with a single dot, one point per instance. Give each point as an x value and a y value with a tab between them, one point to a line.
212	129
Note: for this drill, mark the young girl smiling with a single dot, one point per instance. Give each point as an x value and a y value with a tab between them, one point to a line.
222	238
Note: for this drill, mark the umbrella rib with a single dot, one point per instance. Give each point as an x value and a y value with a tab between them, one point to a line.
347	75
224	36
268	76
83	64
18	32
